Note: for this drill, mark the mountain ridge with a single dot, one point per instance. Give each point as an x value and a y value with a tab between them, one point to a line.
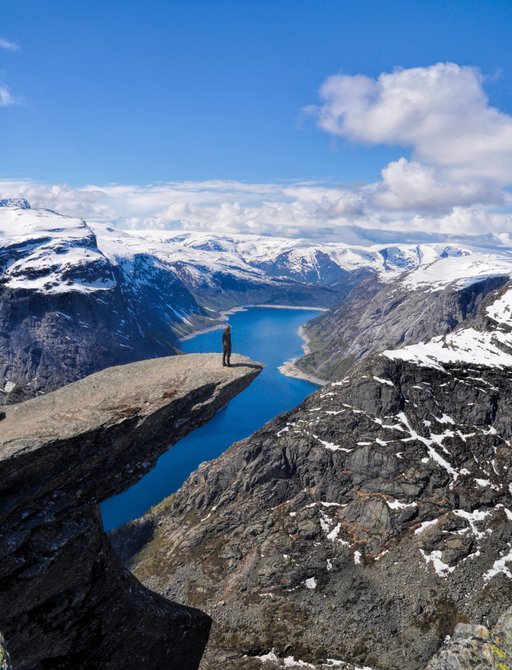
77	297
298	540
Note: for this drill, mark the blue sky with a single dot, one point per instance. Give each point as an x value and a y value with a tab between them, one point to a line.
144	92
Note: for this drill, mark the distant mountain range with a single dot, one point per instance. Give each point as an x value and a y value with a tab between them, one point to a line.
76	297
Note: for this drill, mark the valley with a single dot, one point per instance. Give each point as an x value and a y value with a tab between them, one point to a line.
267	335
363	525
359	526
77	296
255	335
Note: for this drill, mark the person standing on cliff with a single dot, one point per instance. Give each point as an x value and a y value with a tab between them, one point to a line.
226	346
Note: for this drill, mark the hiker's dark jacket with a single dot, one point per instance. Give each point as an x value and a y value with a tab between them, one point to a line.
226	341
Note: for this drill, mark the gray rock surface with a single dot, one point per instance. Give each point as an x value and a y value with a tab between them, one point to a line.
378	316
474	647
65	600
362	526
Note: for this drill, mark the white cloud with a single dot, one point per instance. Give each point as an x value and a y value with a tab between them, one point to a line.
461	146
8	45
297	209
290	209
6	97
441	112
411	185
468	221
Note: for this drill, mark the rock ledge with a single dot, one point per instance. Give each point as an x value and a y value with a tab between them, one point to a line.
65	600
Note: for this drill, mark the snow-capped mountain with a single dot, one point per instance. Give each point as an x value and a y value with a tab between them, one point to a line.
45	251
67	310
398	472
430	300
77	296
486	342
324	264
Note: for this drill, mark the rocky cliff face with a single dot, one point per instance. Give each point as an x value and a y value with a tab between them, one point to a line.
361	527
66	310
376	317
65	600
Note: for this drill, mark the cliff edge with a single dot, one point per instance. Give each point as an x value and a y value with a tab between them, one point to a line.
359	528
65	599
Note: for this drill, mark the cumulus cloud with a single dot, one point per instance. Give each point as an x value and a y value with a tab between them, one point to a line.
441	112
411	185
468	221
297	209
8	45
461	146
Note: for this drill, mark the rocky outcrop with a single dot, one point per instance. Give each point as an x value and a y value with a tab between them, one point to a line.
361	527
65	600
474	647
376	317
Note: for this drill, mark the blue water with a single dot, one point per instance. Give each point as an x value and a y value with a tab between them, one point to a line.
264	334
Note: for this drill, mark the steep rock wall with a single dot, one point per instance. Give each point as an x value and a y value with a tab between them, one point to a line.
65	600
376	317
363	525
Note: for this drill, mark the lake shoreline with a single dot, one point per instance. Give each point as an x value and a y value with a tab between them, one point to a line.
224	314
290	369
270	336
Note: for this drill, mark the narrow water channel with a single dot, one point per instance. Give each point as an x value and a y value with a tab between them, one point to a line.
265	334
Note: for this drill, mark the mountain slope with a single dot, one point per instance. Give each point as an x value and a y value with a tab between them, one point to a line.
361	526
432	299
320	263
66	310
215	271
